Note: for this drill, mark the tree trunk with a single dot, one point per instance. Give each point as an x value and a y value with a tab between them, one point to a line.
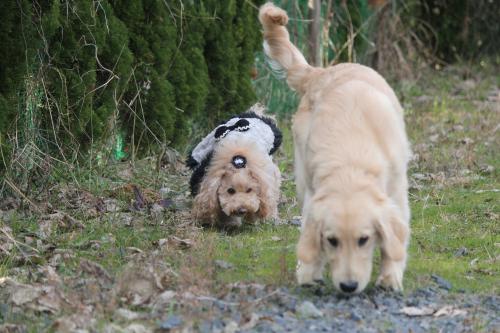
315	33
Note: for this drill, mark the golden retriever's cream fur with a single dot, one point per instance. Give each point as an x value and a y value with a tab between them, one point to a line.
229	195
351	155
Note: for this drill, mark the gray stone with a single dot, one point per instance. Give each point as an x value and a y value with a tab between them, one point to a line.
173	321
308	310
442	283
223	264
461	252
355	316
296	221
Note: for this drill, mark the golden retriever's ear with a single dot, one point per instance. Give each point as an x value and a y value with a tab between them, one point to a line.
393	233
269	191
206	203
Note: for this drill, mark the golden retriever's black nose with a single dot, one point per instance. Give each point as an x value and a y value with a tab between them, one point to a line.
349	286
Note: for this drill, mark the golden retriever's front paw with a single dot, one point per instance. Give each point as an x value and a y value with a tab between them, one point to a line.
305	273
269	13
392	280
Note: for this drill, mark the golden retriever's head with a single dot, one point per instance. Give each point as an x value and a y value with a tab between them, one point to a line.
345	230
251	191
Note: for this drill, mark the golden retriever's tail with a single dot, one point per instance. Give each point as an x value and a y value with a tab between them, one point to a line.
284	57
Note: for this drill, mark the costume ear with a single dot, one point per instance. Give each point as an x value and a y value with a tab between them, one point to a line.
269	183
206	203
393	232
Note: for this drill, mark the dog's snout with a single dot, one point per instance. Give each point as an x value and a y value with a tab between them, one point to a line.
349	286
241	211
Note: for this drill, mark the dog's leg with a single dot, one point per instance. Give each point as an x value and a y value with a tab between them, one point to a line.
391	273
310	262
310	273
300	132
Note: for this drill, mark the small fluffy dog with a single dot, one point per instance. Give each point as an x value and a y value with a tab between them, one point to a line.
234	177
351	154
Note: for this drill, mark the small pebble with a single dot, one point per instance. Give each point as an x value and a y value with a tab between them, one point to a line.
172	321
355	316
308	310
296	221
223	264
461	252
442	283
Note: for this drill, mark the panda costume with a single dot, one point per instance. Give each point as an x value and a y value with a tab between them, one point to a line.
260	129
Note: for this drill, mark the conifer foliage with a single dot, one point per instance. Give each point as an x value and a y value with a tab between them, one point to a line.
151	69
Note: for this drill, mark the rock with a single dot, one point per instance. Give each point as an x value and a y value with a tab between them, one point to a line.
112	328
486	169
461	252
223	264
157	209
137	328
296	221
123	218
354	316
205	327
164	191
466	85
308	310
442	283
173	321
434	138
231	327
466	141
111	205
126	314
420	176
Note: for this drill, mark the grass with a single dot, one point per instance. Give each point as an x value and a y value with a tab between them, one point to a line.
454	202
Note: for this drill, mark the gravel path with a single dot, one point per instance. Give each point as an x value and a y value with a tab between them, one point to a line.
256	308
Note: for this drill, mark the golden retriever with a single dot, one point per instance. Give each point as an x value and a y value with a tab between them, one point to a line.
351	155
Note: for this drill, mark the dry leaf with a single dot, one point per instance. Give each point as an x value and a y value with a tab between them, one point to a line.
413	311
12	328
95	269
181	243
22	294
449	310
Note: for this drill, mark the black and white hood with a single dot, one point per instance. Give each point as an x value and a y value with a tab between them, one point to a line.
248	126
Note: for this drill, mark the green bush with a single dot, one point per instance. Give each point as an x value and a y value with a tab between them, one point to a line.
151	69
463	29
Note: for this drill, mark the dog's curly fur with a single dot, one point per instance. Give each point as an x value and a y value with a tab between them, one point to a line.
228	195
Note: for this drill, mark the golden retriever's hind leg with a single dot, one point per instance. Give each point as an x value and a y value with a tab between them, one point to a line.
391	273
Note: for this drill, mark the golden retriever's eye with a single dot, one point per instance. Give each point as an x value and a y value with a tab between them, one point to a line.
362	240
231	191
333	241
249	190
